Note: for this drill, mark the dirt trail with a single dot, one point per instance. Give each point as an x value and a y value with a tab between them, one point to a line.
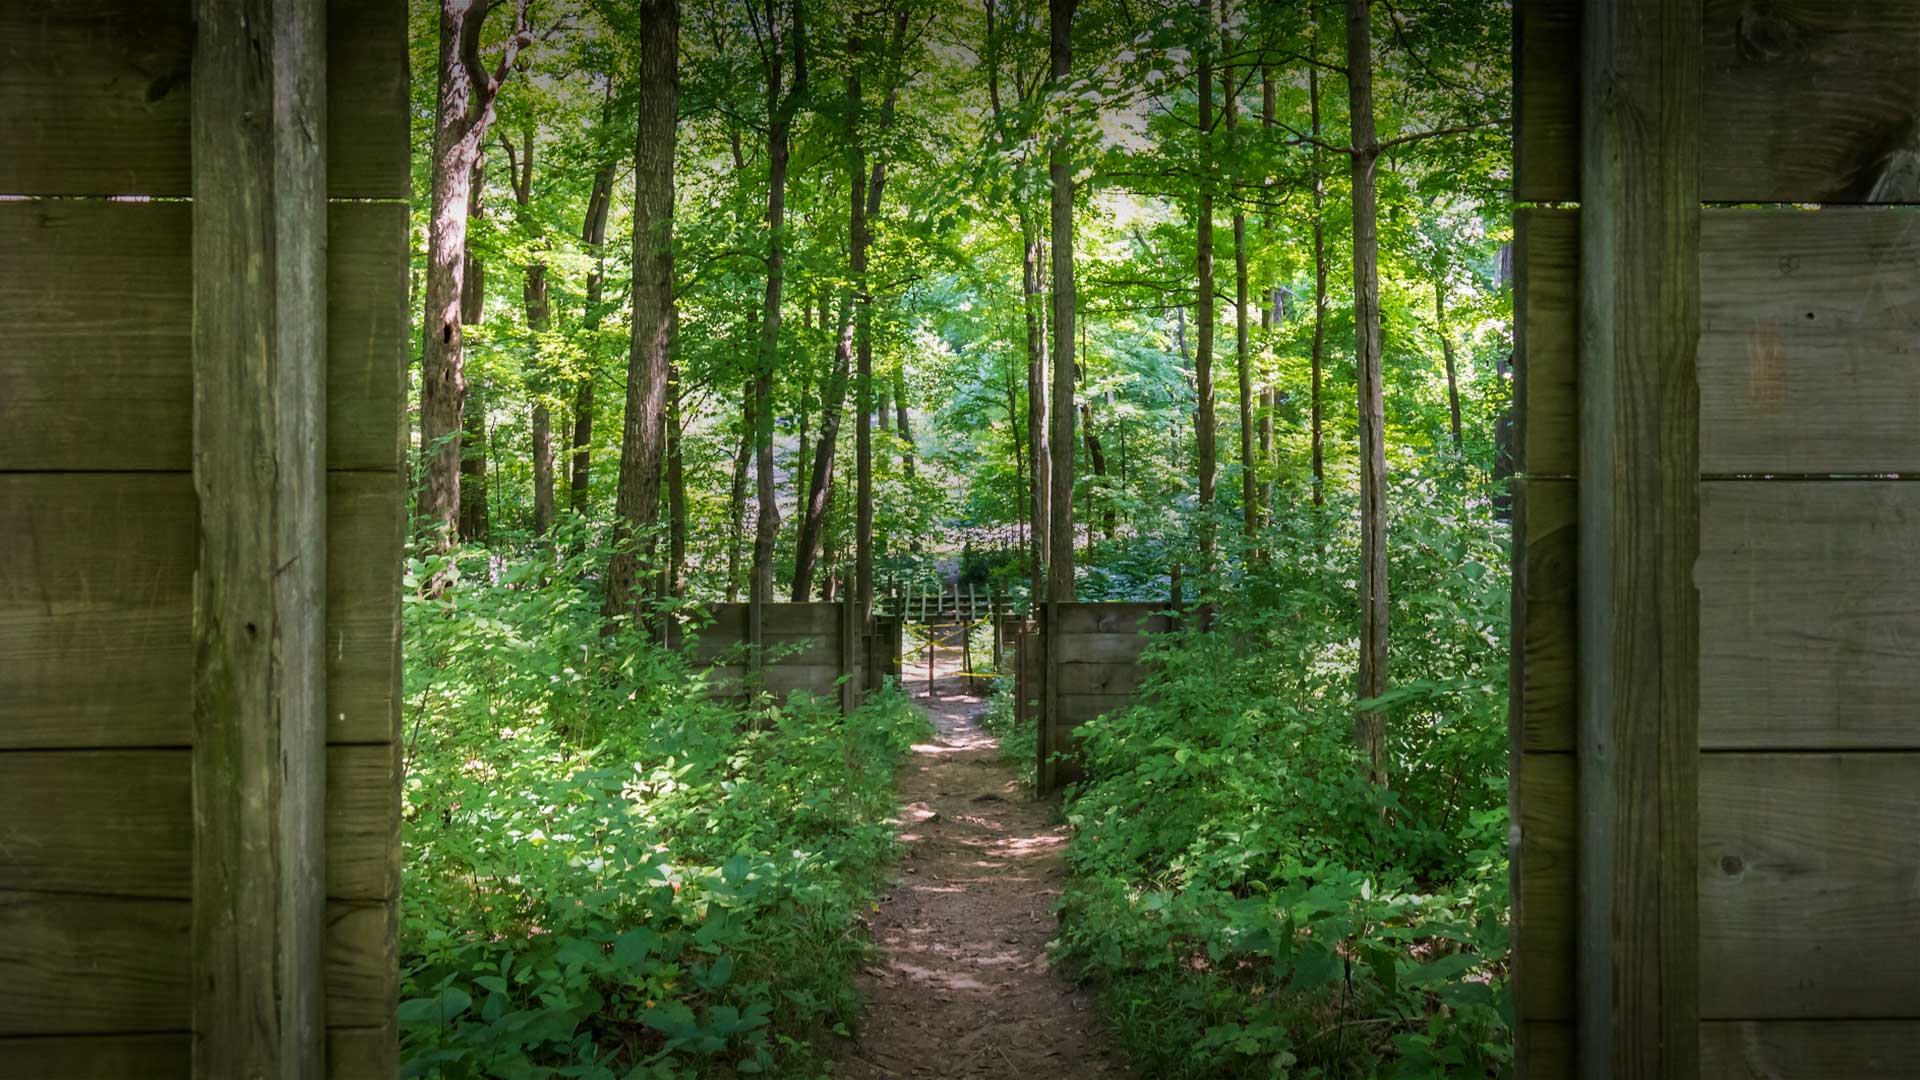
963	987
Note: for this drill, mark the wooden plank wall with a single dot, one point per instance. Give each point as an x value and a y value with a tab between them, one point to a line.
1808	924
1077	661
99	516
807	644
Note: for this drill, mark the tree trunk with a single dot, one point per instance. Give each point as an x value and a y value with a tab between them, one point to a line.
1039	458
833	398
1370	725
594	232
1205	427
473	410
1271	318
676	492
643	436
533	295
1060	176
1242	345
781	107
1446	352
904	430
737	494
463	111
1316	431
1097	458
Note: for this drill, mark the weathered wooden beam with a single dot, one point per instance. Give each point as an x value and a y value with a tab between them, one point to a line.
1638	938
259	127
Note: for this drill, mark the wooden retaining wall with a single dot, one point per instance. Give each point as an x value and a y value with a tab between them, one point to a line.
1073	663
1716	687
808	646
202	513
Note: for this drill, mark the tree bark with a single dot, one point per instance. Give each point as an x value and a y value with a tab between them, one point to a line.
1316	431
1205	427
737	494
901	426
474	525
676	569
1370	725
644	436
1060	175
533	295
782	104
1039	456
1446	352
833	398
1242	345
463	112
594	232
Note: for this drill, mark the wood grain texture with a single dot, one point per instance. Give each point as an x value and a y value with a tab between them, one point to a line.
1546	121
1544	892
780	679
361	1053
95	98
1819	1050
1809	615
1637	941
1546	518
95	616
1810	101
1546	329
1545	1051
98	372
1808	359
85	965
1090	648
1807	871
1113	618
1109	678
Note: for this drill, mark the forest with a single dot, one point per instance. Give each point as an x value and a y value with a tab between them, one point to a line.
1199	303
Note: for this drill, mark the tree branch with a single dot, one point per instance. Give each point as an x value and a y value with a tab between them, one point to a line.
1456	129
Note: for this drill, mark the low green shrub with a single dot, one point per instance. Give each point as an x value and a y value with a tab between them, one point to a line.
608	873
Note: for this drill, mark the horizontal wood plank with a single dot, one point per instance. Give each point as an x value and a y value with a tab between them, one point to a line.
95	617
94	100
120	822
1810	1050
1120	648
1546	123
1808	361
781	679
1075	709
1546	358
1809	614
1809	101
1082	678
1112	618
1543	901
361	1053
1546	517
87	965
98	372
1808	898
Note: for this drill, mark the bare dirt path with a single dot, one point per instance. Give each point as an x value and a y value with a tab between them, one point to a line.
963	987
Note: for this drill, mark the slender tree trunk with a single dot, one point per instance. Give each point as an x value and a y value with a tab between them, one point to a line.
1370	725
1060	175
644	437
1097	458
901	426
737	494
676	577
594	232
1205	429
1242	345
813	511
1271	318
1039	456
533	295
474	524
463	112
1316	431
1446	352
781	106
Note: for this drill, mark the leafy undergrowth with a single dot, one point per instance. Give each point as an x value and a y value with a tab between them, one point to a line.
1019	743
1247	902
608	874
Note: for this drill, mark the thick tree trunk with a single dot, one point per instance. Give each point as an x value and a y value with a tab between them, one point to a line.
463	112
644	436
1205	427
1446	352
1316	432
1060	175
1370	725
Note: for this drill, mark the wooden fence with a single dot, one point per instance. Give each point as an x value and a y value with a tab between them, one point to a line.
1073	663
805	647
202	516
1716	686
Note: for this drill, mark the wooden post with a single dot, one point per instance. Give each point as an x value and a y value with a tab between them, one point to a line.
259	623
1638	940
993	616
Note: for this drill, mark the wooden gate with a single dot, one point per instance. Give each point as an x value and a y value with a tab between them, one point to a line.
203	277
1716	688
805	647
